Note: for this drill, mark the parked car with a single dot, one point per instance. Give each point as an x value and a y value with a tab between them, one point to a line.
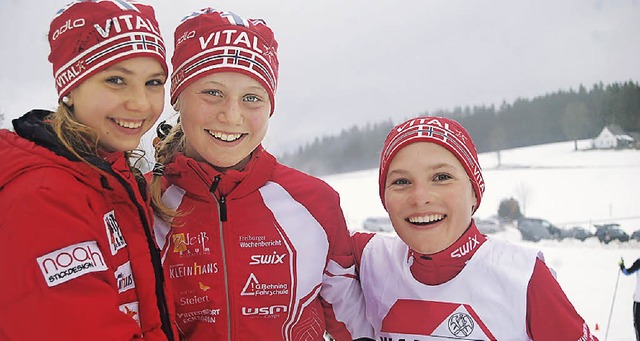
608	232
378	224
576	232
488	226
636	235
536	229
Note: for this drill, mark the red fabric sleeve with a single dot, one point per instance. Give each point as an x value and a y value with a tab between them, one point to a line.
341	293
359	241
550	314
42	214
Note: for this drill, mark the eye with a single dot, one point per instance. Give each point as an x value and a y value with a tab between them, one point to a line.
442	177
252	98
115	80
155	82
400	182
212	92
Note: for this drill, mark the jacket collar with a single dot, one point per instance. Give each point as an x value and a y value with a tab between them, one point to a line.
197	177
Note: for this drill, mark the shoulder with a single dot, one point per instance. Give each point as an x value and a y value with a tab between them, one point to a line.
507	255
302	184
43	179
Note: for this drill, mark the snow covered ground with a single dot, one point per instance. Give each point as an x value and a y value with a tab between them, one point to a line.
568	188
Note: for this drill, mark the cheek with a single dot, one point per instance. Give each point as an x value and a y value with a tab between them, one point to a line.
157	102
258	123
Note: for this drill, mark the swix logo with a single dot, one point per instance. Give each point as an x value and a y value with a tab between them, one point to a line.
267	259
71	262
264	311
466	248
68	25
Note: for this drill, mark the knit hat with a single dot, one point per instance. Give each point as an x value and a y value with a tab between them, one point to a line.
440	130
88	36
210	41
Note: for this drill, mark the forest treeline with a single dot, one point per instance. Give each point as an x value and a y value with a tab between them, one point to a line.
555	117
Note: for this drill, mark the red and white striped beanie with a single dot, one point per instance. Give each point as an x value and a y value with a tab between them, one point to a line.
87	36
442	131
211	41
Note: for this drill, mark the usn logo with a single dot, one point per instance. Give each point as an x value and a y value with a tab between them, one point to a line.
264	311
71	262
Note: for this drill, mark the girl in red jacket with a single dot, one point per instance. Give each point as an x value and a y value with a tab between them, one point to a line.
440	278
79	261
256	250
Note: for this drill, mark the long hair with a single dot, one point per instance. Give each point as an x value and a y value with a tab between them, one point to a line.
82	141
166	150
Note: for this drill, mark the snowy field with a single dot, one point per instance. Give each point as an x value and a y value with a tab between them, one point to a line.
568	188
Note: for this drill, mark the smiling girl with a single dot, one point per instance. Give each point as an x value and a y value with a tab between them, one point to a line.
440	278
254	250
79	261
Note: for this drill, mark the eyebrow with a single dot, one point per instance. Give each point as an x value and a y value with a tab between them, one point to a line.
130	72
255	88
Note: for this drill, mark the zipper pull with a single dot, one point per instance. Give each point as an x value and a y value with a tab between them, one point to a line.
214	184
223	208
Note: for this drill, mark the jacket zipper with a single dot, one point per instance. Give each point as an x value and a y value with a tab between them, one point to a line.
222	211
161	298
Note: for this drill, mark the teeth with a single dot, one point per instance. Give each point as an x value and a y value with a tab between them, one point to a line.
128	124
426	219
224	136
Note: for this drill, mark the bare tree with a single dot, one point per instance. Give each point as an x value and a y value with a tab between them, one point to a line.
576	121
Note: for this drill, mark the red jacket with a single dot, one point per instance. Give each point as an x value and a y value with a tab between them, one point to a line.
546	312
78	261
258	254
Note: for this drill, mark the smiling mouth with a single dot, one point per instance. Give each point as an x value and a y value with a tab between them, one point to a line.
224	136
128	124
426	219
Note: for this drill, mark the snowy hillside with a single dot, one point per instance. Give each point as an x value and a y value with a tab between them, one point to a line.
568	188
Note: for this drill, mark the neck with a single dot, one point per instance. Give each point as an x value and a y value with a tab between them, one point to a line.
440	267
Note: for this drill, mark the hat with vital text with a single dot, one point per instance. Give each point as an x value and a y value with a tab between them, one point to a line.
211	41
88	36
440	130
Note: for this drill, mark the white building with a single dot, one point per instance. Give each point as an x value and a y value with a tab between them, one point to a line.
612	136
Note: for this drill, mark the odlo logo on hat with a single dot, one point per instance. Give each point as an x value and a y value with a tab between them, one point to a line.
88	36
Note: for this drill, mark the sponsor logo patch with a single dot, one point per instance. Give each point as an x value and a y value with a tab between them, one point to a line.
124	277
114	234
132	310
71	262
253	287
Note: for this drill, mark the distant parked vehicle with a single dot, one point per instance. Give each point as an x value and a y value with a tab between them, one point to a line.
488	226
636	235
609	232
576	232
536	229
378	224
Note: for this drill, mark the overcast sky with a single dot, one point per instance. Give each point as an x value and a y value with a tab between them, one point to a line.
348	62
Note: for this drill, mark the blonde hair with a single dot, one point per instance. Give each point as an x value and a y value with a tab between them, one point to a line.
166	151
82	141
